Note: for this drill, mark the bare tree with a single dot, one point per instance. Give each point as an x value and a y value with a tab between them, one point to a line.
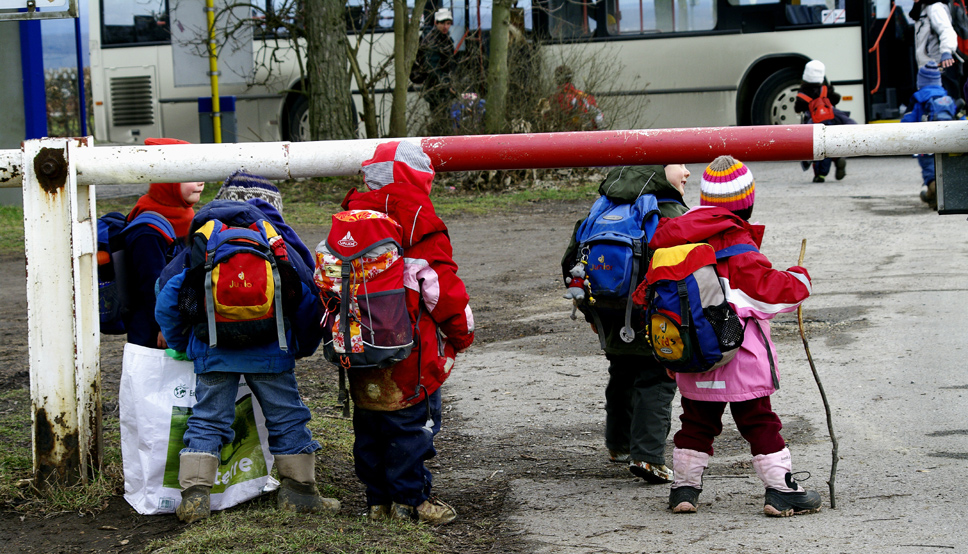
330	100
497	71
406	35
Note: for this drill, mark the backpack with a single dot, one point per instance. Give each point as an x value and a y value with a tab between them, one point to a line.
691	326
112	282
939	108
239	286
821	109
359	272
959	21
613	245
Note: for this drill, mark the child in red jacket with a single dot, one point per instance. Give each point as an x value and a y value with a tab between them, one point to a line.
397	412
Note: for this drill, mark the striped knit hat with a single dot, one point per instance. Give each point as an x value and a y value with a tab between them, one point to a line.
727	183
242	186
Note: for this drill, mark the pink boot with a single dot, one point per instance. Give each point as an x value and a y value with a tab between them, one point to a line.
784	497
687	466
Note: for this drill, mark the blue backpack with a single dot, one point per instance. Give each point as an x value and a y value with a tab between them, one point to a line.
112	282
613	245
940	108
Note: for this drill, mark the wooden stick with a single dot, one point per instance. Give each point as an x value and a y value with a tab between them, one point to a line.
823	395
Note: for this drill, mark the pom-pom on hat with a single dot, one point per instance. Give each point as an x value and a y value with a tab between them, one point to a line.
243	186
727	183
398	162
929	75
814	71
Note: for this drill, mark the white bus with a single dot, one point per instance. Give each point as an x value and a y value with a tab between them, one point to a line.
684	62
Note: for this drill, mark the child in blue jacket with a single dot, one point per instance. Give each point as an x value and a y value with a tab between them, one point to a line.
266	368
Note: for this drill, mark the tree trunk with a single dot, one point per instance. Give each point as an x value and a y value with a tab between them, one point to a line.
406	38
497	68
330	98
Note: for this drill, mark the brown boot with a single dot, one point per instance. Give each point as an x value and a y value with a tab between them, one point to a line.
432	511
378	512
196	476
298	491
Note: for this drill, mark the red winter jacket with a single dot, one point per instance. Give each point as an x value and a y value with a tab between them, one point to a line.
753	288
436	297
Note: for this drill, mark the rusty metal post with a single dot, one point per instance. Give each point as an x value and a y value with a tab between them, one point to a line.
60	240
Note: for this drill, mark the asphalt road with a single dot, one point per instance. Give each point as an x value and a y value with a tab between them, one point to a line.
887	329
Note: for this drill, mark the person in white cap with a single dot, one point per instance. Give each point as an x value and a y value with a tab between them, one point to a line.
813	88
437	57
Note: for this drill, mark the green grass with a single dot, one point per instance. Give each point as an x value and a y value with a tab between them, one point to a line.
11	230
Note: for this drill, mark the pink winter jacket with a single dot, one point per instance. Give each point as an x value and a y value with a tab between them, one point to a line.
753	288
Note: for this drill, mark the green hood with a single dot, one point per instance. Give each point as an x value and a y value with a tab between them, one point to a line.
625	184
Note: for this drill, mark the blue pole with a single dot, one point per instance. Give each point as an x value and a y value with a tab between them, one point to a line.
32	66
80	75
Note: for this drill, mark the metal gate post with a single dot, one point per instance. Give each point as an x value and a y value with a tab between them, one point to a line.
60	242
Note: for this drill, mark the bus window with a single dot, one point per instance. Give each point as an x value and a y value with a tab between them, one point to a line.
570	19
132	23
636	17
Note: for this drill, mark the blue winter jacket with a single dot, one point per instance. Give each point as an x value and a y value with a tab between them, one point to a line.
920	101
304	334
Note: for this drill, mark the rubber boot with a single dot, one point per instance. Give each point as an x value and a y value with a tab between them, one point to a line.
298	491
687	468
196	476
784	497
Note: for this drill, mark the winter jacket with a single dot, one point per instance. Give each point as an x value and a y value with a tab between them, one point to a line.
753	288
147	251
624	184
436	300
439	58
303	335
934	36
579	109
919	103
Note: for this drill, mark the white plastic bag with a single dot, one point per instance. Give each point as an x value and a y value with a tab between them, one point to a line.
155	400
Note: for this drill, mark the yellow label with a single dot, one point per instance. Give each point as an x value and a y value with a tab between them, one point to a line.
666	339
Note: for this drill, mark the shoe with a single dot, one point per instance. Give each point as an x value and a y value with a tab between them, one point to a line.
684	500
785	504
617	457
298	492
196	476
432	511
784	496
652	473
818	178
841	165
379	512
929	194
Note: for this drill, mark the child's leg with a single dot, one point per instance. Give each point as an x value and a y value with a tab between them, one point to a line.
652	396
618	405
758	424
411	442
369	453
822	168
926	161
702	422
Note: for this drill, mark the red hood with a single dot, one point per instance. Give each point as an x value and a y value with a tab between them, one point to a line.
701	224
405	204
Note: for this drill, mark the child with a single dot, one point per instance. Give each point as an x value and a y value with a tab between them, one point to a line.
929	92
757	292
397	412
638	397
268	371
813	85
148	248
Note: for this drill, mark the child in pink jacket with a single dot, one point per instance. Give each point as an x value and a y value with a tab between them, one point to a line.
757	292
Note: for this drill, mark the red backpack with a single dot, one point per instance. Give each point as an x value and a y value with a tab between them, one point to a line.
820	107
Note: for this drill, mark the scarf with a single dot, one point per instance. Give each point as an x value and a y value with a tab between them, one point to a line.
166	199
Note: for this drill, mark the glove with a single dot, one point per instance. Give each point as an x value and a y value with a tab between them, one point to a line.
461	343
946	56
176	355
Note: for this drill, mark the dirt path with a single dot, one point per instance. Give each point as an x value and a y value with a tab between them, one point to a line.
521	454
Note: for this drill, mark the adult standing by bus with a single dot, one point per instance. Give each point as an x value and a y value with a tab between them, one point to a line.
437	55
935	40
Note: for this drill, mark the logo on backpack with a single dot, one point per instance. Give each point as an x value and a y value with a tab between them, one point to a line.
688	320
821	109
239	285
613	248
360	278
112	280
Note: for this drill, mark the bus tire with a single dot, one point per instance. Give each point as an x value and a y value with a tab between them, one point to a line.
298	119
774	99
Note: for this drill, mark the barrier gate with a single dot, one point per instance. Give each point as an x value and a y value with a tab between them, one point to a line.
58	177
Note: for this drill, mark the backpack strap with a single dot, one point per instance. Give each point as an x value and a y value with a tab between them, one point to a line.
156	221
733	250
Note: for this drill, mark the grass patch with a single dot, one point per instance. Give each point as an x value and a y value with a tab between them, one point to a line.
11	230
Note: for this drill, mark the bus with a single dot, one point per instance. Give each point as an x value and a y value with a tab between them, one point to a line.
682	63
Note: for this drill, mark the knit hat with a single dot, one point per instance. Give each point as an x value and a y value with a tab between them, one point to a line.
727	183
398	162
929	76
242	186
443	14
814	72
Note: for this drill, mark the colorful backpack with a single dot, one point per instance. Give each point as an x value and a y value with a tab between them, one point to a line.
112	282
940	108
821	109
688	320
613	244
360	272
239	285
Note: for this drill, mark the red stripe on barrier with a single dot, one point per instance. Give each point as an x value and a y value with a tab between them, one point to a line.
612	148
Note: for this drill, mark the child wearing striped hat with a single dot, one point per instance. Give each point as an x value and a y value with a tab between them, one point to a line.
757	292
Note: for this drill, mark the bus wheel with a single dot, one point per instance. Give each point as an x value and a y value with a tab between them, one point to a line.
299	120
773	101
